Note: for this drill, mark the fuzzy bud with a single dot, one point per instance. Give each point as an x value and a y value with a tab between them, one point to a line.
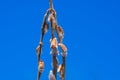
54	43
64	49
51	76
40	66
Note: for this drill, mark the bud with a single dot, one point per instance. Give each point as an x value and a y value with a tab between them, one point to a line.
61	70
38	49
54	43
40	66
51	76
61	32
63	47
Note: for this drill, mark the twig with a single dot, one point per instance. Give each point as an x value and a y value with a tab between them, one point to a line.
54	45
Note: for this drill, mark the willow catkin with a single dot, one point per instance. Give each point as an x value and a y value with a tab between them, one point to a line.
38	49
54	43
41	66
51	76
61	70
63	47
61	32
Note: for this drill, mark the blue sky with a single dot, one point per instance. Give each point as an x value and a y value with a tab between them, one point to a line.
92	36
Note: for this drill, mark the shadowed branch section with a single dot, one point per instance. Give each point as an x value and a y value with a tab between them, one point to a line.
50	18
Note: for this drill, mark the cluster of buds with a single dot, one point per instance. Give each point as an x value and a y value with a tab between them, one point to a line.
50	15
61	68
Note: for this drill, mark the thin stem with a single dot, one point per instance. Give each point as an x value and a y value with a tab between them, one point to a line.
41	40
64	66
52	25
39	74
51	6
55	63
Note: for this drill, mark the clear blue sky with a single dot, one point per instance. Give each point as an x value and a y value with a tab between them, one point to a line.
92	35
